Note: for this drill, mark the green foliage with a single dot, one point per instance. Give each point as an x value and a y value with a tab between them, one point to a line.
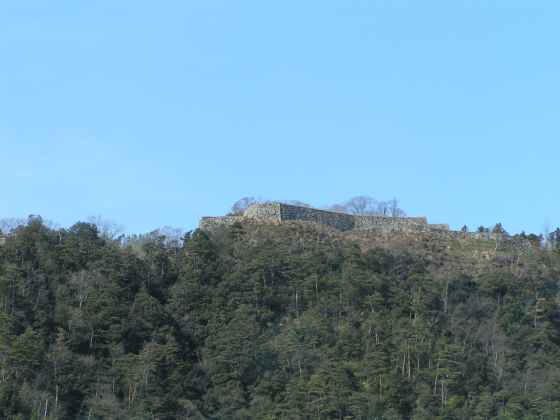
271	322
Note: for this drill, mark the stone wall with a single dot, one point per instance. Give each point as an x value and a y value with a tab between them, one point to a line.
391	224
207	223
279	212
263	213
266	212
440	226
338	221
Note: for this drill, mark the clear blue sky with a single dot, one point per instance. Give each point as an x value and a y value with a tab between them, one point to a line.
157	113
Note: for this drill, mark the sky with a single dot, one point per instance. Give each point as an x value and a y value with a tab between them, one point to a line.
158	113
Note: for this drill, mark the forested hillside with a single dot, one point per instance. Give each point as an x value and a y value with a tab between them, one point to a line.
274	322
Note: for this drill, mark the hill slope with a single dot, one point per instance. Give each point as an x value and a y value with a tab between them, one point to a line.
290	321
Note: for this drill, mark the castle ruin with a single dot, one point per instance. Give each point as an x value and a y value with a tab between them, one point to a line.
276	212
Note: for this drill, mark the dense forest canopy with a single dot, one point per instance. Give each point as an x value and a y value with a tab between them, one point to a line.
274	322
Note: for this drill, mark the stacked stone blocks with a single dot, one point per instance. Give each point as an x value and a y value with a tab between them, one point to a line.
280	212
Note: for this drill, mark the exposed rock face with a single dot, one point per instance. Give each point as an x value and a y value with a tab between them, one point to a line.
279	212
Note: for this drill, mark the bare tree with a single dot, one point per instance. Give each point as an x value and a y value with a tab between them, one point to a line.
547	236
108	229
362	205
383	209
173	236
365	205
9	224
242	204
394	209
82	284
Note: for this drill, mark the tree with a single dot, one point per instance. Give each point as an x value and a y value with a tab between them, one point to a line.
107	228
242	204
272	322
26	354
10	224
364	205
499	229
394	209
330	391
173	236
554	239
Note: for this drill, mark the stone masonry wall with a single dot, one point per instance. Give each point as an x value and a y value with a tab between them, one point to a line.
391	224
207	223
440	226
279	212
266	212
338	221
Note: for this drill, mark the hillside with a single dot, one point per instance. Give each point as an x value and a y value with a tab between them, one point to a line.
277	321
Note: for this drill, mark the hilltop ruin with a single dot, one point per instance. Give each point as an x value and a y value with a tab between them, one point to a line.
276	212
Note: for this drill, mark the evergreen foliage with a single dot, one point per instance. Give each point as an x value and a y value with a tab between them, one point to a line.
271	322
